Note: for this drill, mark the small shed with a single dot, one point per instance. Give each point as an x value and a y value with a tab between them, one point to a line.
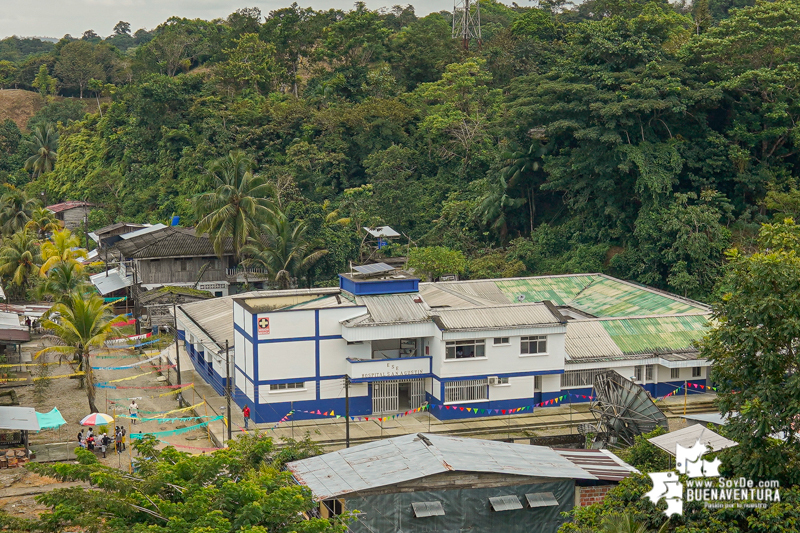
427	482
71	212
689	436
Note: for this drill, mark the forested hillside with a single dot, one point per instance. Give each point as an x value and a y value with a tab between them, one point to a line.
636	138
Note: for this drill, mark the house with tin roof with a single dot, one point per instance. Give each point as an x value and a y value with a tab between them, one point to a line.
71	213
428	482
393	344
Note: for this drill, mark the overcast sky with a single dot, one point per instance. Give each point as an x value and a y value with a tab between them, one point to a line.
55	18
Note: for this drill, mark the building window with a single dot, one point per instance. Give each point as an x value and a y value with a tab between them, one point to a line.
287	386
501	341
579	378
537	383
674	373
536	345
697	372
465	349
502	381
637	373
466	391
648	372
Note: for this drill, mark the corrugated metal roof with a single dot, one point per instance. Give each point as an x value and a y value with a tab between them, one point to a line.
70	204
485	290
499	317
394	308
391	461
656	334
600	463
609	297
689	436
168	242
114	281
448	295
596	294
588	340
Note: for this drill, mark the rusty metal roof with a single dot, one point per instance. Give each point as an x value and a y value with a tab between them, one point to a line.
399	459
600	463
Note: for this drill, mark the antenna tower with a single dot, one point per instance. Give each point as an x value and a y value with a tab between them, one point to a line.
467	21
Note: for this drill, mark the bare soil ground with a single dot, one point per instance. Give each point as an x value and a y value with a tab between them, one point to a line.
19	105
71	400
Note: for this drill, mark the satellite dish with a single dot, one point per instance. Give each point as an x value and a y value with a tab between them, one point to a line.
623	409
521	298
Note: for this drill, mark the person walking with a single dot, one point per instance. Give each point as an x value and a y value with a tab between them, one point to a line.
104	442
117	440
246	415
122	432
133	410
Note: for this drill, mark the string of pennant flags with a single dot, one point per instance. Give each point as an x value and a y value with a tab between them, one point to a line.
689	386
171	420
178	431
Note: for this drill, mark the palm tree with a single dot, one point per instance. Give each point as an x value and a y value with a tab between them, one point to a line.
62	280
494	206
63	247
20	259
284	251
42	222
16	209
236	206
84	323
44	141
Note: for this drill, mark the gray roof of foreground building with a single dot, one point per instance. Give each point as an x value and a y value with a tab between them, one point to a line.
408	457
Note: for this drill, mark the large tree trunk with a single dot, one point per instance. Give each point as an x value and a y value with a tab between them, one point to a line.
90	391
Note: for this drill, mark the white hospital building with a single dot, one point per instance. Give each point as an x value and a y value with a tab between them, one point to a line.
495	344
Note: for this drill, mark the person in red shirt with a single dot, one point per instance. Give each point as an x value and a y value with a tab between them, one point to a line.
246	415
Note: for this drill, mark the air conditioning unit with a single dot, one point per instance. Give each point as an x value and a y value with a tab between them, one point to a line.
493	380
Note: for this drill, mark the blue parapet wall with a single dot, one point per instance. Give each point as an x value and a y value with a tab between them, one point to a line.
378	286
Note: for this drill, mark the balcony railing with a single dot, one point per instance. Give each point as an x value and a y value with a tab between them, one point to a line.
247	272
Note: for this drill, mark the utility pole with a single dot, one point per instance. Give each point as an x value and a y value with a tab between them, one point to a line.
346	411
135	291
177	347
467	22
228	387
86	231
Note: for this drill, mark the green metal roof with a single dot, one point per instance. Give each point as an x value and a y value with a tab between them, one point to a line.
659	334
597	295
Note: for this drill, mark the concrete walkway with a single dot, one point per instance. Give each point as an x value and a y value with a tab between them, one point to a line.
330	433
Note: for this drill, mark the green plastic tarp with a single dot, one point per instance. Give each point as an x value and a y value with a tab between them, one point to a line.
50	420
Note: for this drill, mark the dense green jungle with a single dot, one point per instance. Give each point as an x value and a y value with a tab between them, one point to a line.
641	139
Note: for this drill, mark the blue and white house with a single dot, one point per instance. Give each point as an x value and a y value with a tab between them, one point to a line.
401	344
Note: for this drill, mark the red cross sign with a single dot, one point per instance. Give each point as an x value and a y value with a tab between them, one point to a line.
263	326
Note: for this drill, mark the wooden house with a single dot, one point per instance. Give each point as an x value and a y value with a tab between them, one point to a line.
71	213
160	256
